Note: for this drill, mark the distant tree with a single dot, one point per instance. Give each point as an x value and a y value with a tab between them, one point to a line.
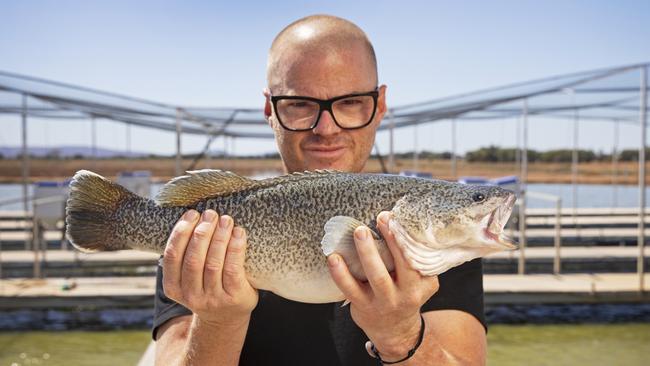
53	154
632	155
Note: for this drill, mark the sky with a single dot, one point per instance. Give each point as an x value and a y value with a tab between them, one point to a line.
213	53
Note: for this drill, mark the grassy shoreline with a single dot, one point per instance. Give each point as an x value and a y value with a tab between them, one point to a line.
162	169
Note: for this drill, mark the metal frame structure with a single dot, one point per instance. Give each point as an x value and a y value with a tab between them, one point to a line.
615	94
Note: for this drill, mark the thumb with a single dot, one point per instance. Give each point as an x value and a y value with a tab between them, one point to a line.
234	276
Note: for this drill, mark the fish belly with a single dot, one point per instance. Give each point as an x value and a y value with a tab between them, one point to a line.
315	288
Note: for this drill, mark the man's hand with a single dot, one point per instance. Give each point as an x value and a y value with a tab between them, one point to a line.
387	308
203	269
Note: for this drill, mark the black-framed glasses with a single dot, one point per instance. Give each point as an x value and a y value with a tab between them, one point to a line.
349	112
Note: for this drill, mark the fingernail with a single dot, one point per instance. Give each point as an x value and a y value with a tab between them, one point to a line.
383	218
208	215
237	233
361	233
191	215
333	260
224	221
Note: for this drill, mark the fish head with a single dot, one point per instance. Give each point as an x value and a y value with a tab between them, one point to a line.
455	215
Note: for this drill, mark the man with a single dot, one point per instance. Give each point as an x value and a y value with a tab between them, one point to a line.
224	321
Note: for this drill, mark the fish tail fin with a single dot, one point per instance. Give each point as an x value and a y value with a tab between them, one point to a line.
339	238
92	202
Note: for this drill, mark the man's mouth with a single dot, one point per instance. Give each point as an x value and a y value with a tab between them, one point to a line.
325	152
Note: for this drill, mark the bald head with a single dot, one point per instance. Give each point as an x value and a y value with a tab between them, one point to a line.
316	37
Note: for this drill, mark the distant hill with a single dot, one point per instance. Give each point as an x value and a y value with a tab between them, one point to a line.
67	152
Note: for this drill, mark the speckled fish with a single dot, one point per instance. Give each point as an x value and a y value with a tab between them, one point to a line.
294	221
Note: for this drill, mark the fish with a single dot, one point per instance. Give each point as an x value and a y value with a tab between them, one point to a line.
295	221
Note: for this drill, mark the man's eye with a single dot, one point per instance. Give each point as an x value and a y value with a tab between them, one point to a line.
298	104
351	101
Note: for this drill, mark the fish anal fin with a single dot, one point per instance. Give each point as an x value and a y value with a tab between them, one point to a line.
197	185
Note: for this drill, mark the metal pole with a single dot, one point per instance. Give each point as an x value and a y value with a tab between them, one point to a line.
558	237
226	162
128	139
454	167
1	258
93	139
233	147
518	122
615	166
522	206
208	155
642	123
416	162
574	160
391	137
25	163
178	169
36	247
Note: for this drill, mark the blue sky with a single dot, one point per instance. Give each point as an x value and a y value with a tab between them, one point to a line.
214	53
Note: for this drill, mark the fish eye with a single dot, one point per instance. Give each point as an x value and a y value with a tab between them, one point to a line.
478	197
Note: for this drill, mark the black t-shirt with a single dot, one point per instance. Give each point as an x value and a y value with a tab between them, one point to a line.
284	332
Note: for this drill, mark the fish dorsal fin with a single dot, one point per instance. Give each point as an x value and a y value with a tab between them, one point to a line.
197	185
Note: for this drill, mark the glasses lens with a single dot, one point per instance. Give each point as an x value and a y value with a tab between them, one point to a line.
354	111
297	114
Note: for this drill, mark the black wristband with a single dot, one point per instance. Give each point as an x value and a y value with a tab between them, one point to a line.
410	353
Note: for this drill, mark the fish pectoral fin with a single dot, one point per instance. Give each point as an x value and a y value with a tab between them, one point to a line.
339	238
197	185
339	234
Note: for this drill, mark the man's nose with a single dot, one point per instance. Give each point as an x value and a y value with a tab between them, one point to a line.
326	125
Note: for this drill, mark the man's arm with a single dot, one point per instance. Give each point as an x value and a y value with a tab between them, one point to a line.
387	308
184	340
203	269
452	337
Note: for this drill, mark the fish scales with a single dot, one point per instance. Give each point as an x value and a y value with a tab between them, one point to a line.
289	218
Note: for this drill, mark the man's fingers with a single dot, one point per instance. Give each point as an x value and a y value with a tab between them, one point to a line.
175	251
375	269
351	288
403	269
407	278
194	259
216	256
234	276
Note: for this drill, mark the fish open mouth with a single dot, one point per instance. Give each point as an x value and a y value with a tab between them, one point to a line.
497	220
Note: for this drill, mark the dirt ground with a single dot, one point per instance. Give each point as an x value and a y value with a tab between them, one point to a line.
163	169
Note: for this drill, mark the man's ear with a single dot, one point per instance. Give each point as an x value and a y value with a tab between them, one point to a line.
267	105
381	102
